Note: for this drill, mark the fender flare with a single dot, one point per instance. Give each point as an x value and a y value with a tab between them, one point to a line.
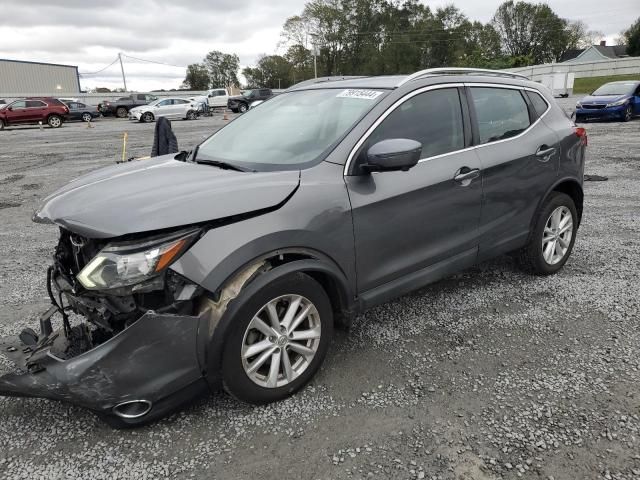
554	187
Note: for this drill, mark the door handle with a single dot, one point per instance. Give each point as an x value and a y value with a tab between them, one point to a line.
465	175
544	153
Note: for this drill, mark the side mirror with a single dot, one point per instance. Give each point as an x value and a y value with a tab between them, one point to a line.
10	109
393	154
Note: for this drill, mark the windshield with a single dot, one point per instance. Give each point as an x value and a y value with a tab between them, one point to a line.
615	89
289	130
247	93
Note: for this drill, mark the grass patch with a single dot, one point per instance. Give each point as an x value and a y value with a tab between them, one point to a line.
589	84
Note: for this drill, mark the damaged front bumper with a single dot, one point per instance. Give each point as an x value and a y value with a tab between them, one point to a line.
148	369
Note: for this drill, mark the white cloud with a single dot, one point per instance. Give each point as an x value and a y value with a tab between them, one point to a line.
91	33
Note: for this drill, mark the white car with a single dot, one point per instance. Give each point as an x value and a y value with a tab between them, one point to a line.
165	107
217	97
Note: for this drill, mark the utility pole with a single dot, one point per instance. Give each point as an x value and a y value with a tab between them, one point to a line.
314	41
124	80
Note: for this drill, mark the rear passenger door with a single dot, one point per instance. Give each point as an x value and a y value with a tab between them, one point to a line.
416	226
519	155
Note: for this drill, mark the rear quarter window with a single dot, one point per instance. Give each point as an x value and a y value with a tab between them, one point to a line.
540	105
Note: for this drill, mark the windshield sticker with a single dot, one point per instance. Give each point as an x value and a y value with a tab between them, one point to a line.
364	94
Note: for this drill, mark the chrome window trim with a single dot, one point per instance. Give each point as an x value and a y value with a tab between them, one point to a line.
418	91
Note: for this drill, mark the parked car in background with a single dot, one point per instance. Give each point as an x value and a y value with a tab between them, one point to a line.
217	98
241	103
614	100
165	107
33	110
2	101
81	111
120	108
229	265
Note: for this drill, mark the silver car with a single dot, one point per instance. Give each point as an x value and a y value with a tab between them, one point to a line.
172	108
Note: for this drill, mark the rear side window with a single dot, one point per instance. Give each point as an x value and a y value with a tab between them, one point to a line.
501	113
433	118
35	104
539	103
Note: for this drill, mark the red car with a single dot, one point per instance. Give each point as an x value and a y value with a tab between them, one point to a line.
33	110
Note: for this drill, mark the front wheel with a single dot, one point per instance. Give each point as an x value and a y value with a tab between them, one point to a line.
278	339
191	115
243	108
86	117
627	115
147	117
54	121
553	236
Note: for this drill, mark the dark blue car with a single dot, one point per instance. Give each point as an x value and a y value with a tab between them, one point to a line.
615	100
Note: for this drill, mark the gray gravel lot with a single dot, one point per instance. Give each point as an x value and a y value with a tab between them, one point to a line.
488	374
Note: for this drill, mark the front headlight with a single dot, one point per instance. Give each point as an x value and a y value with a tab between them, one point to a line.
618	103
128	263
578	105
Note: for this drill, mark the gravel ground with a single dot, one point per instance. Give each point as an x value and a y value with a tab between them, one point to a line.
488	374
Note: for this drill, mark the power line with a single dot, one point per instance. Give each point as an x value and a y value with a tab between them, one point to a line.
153	61
101	70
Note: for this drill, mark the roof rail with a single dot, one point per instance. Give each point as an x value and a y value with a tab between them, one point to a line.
460	71
313	81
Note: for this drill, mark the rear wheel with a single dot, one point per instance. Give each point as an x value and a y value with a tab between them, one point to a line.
121	112
278	340
627	115
54	121
147	117
86	117
553	236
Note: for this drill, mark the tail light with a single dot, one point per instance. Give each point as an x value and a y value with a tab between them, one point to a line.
582	134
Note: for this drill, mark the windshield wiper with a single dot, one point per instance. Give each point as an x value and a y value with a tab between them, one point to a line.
224	165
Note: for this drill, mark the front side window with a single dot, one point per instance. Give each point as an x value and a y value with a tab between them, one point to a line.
19	104
501	112
163	103
289	130
221	93
433	118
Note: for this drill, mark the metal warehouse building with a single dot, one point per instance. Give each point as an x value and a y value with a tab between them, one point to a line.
18	78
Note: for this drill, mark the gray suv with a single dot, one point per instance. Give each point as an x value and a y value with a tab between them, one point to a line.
230	265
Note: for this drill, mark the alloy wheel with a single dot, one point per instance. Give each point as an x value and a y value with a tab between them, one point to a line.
557	234
86	117
628	113
55	122
281	341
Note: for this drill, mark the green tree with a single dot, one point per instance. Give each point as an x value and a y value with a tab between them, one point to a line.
632	38
222	69
197	77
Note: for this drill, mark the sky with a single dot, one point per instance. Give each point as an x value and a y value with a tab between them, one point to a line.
90	33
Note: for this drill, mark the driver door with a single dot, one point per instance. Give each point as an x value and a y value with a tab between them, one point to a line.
415	227
17	112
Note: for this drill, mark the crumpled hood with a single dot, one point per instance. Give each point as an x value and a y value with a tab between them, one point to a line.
160	193
602	98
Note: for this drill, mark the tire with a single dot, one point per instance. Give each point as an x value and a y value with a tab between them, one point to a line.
579	119
147	117
535	257
627	115
262	386
54	121
86	117
1	124
122	112
243	108
191	115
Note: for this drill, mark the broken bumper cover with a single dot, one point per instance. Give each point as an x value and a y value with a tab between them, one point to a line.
155	362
